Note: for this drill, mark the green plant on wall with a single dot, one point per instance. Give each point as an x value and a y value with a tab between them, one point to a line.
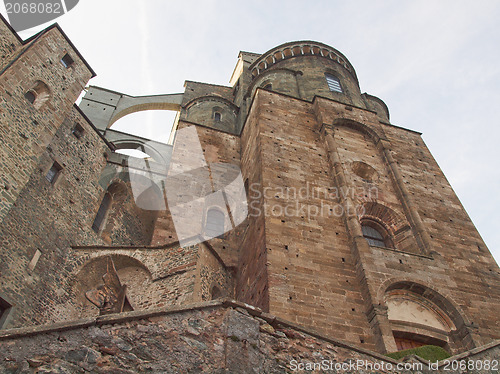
428	352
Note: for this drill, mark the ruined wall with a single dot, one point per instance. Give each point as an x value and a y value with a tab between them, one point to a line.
214	278
128	221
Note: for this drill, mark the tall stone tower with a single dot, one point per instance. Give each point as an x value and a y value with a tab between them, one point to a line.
352	228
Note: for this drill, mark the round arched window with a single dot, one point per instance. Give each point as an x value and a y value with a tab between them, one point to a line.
375	234
214	225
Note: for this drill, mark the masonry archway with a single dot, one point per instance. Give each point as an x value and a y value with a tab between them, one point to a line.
131	272
419	315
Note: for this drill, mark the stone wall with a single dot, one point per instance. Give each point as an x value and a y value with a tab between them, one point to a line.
28	128
214	337
312	273
9	43
252	285
155	276
50	218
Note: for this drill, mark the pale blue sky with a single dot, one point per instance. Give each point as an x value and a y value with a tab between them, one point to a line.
435	64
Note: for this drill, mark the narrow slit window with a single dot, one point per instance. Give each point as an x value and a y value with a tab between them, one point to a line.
102	212
67	60
333	83
53	172
34	260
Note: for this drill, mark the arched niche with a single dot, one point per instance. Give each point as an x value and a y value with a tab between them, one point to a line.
418	313
38	94
131	272
371	133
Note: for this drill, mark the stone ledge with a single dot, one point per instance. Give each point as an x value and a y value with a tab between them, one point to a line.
253	311
104	320
42	329
472	352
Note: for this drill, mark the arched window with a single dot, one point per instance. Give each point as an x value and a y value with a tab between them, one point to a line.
102	212
38	94
214	224
333	83
215	293
268	86
375	234
217	116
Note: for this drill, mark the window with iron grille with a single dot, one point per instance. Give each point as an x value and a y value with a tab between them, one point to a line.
333	83
373	236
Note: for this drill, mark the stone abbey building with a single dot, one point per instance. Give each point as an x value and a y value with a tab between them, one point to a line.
353	237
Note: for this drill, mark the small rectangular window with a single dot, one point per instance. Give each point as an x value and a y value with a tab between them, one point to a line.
333	83
53	172
30	96
67	61
78	131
